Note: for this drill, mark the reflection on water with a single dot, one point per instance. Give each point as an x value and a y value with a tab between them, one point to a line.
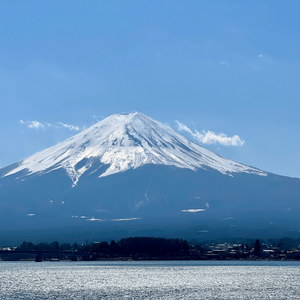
150	280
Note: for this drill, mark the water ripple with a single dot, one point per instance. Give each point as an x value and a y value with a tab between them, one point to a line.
149	280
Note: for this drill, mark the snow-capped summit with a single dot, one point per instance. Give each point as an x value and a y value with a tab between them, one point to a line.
126	141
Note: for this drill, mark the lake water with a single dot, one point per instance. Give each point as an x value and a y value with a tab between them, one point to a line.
150	280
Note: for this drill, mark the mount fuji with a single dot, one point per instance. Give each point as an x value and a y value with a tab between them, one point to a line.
132	175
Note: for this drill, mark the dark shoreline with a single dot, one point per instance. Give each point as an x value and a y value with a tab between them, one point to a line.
156	249
155	259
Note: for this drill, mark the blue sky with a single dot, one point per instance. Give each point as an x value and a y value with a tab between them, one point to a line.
228	67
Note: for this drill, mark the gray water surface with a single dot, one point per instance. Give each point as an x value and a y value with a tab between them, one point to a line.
150	280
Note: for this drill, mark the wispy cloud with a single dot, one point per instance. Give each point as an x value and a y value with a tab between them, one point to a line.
209	137
127	219
224	62
71	127
193	210
38	125
98	118
32	124
99	220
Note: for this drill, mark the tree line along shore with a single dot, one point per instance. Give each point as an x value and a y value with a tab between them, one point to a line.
151	248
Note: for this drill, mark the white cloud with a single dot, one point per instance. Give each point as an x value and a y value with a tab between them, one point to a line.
32	124
71	127
37	125
93	219
128	219
209	137
193	210
224	62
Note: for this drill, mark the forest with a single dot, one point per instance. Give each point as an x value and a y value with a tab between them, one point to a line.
154	248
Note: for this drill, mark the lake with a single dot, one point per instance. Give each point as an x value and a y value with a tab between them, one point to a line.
150	280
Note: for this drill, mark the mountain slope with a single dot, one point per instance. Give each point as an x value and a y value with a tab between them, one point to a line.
123	142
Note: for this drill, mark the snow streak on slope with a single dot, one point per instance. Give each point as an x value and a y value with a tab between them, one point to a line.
127	141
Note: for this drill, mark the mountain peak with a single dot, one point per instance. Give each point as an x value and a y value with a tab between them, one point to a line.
126	141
